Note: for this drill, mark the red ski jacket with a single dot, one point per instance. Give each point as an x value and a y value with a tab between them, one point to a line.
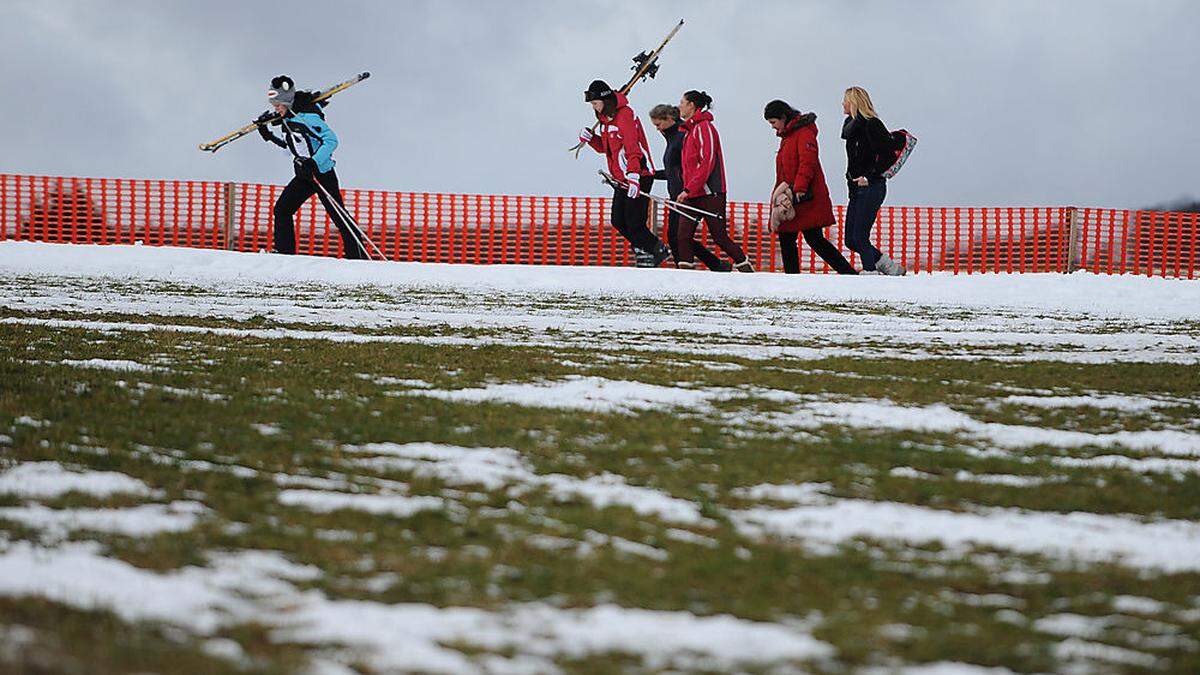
622	140
703	163
798	164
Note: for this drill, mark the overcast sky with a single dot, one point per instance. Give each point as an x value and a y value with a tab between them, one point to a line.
1015	102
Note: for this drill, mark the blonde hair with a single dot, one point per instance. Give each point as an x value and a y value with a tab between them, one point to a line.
860	103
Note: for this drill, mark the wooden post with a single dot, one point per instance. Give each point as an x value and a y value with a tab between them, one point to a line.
1075	241
230	210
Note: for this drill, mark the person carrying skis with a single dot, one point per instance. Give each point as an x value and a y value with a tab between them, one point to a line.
623	143
704	182
665	118
311	142
869	152
800	202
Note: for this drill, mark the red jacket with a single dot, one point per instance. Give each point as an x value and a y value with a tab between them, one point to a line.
799	165
703	163
622	140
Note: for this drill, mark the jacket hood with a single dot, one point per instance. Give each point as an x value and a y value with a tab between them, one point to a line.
798	122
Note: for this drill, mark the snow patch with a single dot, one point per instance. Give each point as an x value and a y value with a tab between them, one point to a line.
46	480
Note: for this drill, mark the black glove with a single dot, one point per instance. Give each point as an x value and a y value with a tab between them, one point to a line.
801	197
306	167
266	133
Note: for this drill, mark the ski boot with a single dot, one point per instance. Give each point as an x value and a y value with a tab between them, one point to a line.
744	266
890	267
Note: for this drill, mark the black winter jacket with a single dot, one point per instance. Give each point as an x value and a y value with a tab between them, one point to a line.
672	170
870	148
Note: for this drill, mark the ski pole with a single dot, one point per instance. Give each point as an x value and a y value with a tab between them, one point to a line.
668	203
352	224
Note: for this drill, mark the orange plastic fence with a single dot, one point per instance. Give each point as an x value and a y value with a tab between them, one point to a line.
493	229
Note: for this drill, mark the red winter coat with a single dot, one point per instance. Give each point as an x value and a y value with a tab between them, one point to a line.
799	165
703	163
623	142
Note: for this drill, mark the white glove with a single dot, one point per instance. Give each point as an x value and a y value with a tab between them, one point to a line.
586	136
634	181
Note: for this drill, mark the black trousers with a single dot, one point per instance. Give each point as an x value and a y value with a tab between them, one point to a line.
293	197
629	217
819	244
718	229
710	259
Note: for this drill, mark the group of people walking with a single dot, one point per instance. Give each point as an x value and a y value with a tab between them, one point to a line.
694	170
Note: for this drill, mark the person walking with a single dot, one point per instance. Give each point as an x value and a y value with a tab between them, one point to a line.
800	202
704	182
623	143
870	150
666	119
311	142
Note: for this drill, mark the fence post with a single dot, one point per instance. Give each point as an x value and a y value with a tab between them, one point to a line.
230	210
1074	241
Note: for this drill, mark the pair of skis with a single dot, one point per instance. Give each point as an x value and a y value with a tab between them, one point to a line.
645	65
685	210
232	136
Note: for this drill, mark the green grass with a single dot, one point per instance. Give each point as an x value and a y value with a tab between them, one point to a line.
490	555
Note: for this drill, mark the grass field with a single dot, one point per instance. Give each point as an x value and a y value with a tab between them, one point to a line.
213	462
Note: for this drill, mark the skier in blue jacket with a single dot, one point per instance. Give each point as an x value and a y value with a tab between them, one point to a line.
311	142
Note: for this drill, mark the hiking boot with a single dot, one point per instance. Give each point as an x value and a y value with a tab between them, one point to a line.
890	267
660	255
643	258
744	266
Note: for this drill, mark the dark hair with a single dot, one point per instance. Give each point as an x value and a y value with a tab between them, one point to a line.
662	111
699	99
779	110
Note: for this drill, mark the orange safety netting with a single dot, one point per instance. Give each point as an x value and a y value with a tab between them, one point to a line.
495	229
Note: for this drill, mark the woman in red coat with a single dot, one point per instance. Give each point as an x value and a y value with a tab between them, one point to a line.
800	202
704	182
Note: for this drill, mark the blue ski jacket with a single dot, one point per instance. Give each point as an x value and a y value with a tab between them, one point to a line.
319	139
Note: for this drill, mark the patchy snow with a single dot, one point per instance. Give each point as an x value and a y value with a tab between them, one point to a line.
592	394
46	480
138	521
112	364
1081	317
322	501
1167	545
1132	404
494	468
939	418
252	585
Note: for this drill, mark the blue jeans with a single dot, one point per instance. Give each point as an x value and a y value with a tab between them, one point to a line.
860	218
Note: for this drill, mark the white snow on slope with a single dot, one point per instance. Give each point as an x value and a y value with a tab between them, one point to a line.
494	468
1080	318
46	480
322	501
137	521
254	586
1084	293
1167	545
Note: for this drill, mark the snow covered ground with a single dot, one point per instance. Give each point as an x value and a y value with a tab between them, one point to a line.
474	436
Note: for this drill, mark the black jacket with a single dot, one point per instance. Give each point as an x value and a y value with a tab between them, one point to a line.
672	170
870	148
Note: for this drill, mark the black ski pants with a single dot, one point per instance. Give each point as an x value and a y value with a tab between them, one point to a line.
718	229
816	240
629	217
710	259
293	197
